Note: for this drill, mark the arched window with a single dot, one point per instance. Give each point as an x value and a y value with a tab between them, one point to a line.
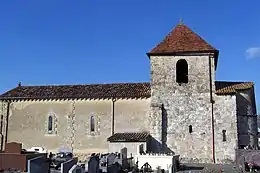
50	123
190	128
182	71
92	123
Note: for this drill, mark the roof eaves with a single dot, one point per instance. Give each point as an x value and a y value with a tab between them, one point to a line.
233	89
183	53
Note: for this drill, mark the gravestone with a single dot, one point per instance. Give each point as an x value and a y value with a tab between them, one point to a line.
123	153
111	159
141	149
93	164
124	157
115	168
103	163
76	169
13	147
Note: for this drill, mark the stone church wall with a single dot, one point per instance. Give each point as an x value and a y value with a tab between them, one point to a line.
185	105
225	115
28	122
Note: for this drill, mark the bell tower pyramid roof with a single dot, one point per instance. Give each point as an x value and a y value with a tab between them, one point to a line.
182	40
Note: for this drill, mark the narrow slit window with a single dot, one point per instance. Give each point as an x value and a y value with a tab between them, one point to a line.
224	135
50	123
190	128
92	123
182	71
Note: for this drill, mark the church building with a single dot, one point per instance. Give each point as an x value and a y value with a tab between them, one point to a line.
181	110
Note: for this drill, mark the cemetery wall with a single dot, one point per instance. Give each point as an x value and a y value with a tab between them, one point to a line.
28	123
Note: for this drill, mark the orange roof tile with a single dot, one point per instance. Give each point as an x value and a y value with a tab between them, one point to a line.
228	88
104	91
182	39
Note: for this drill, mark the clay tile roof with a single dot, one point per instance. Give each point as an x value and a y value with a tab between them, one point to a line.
229	88
182	39
129	137
92	91
104	91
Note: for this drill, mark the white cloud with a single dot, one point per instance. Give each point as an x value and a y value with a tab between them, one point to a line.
253	52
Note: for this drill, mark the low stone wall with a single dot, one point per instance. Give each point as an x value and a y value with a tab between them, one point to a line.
66	166
39	164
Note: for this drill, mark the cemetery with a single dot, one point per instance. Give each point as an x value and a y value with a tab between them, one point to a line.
121	157
15	159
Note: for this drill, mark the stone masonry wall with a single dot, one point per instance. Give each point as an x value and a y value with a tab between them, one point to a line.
225	115
28	123
185	105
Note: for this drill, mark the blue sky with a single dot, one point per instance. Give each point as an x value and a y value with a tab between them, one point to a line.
100	41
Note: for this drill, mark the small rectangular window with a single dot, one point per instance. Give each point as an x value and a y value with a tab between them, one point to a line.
190	128
224	135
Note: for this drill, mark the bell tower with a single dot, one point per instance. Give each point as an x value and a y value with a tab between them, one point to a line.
183	81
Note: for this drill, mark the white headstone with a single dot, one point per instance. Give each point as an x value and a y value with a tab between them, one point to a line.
76	169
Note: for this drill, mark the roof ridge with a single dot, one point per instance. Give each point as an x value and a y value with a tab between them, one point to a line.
91	91
61	85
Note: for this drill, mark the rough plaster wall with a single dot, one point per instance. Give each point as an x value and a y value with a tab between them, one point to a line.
247	120
188	104
225	119
136	120
28	123
131	147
